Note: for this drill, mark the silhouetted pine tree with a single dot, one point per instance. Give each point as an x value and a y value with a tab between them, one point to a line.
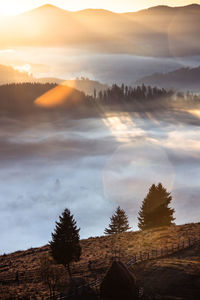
119	222
155	210
116	94
65	246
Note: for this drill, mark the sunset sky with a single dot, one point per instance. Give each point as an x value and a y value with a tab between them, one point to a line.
13	7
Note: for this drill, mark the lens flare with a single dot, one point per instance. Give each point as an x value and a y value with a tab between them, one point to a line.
195	112
57	96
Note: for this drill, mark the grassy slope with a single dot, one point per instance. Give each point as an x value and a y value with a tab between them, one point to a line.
152	275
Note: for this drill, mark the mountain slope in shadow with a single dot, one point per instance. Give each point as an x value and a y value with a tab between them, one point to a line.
181	79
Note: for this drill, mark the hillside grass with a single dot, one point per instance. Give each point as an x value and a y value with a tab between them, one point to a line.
99	252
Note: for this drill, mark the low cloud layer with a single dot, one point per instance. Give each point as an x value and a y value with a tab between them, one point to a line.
110	68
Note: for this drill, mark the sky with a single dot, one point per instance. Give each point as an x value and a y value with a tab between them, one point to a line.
13	7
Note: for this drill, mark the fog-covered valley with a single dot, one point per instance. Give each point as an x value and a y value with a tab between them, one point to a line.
90	165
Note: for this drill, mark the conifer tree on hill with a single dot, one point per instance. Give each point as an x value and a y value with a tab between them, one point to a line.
155	210
65	247
118	222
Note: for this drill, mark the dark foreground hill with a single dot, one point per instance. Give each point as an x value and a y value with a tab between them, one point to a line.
174	276
25	99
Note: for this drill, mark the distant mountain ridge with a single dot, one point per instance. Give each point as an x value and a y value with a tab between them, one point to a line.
153	8
157	31
181	79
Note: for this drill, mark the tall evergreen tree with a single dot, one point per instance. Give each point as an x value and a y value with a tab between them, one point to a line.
118	222
155	210
65	246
